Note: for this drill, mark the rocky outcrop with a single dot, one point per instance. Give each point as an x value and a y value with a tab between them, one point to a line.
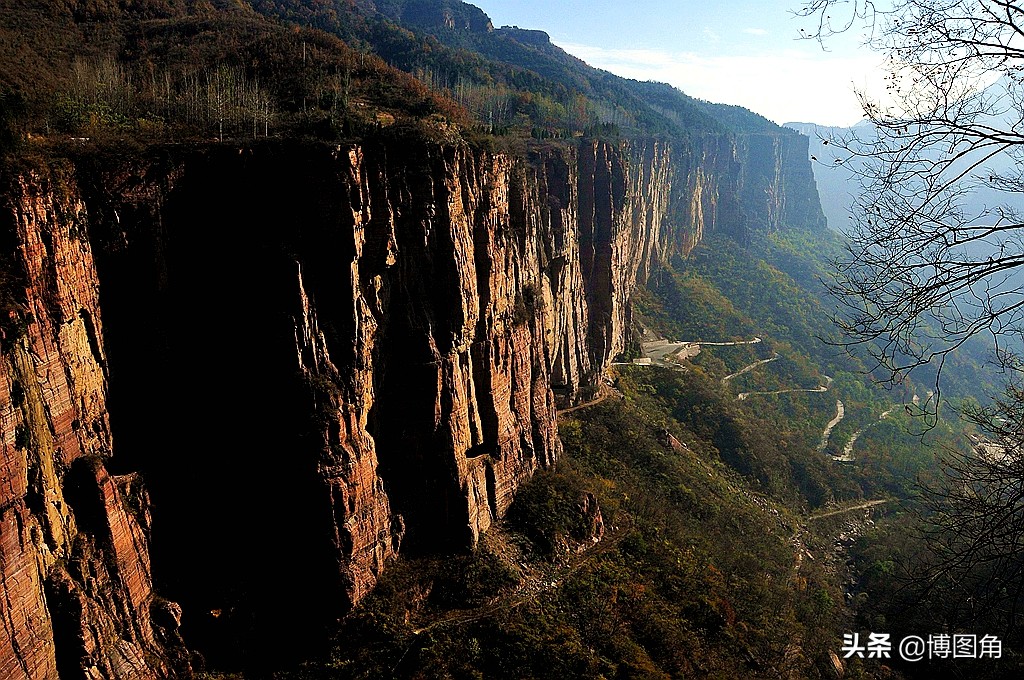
316	356
74	559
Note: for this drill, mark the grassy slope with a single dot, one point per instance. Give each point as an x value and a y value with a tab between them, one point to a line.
695	575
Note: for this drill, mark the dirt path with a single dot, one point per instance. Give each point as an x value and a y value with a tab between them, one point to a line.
657	352
847	454
660	350
796	541
820	388
754	341
545	578
603	392
852	508
663	352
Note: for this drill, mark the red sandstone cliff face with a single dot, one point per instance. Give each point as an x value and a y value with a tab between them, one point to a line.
74	564
316	357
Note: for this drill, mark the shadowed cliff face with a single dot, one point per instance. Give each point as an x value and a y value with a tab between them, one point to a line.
777	186
201	316
315	356
74	563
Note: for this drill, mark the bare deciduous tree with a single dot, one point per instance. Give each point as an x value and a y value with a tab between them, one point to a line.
975	520
937	235
935	258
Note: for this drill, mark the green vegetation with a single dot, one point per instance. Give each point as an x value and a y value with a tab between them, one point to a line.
182	74
695	574
770	288
705	566
710	563
165	71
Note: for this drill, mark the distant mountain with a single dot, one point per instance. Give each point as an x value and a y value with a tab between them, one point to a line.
838	185
510	76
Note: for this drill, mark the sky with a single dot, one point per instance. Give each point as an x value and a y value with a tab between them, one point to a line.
744	52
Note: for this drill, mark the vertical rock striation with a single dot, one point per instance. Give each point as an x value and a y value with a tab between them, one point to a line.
74	562
317	356
777	186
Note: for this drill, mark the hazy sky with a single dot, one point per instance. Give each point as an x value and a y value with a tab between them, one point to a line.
744	52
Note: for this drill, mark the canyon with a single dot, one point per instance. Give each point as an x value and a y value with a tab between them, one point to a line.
240	379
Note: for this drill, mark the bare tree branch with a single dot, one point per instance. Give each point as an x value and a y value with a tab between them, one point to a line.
924	272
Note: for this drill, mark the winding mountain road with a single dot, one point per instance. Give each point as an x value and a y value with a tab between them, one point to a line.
847	455
666	353
747	369
840	413
820	388
659	351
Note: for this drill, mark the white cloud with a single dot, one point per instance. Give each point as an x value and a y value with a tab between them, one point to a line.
792	85
712	36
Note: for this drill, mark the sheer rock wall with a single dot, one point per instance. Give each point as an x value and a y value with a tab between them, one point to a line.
315	356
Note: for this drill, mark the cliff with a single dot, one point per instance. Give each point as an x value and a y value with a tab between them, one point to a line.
777	183
74	561
315	356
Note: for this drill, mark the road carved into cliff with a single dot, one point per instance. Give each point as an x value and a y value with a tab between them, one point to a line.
604	392
545	578
657	352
